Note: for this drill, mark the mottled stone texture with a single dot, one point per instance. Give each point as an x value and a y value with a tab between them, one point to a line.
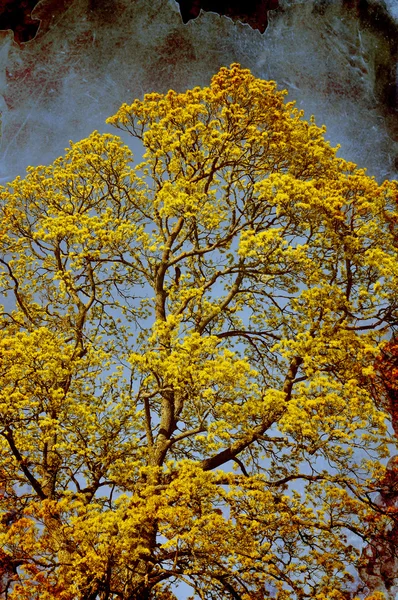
337	58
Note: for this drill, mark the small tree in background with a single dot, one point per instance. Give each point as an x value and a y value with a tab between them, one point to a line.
184	343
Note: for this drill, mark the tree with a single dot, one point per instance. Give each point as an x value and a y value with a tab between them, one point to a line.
186	345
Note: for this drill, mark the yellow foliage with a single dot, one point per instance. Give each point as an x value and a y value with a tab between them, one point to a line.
186	345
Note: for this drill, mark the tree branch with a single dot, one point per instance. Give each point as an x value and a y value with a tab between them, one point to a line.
21	461
236	448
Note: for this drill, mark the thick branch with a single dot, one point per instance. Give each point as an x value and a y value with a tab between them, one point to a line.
247	334
236	448
21	461
148	422
161	271
18	296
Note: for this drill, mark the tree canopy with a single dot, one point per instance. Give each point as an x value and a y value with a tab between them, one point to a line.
187	357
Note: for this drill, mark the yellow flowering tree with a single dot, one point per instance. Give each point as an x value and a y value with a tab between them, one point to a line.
186	345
